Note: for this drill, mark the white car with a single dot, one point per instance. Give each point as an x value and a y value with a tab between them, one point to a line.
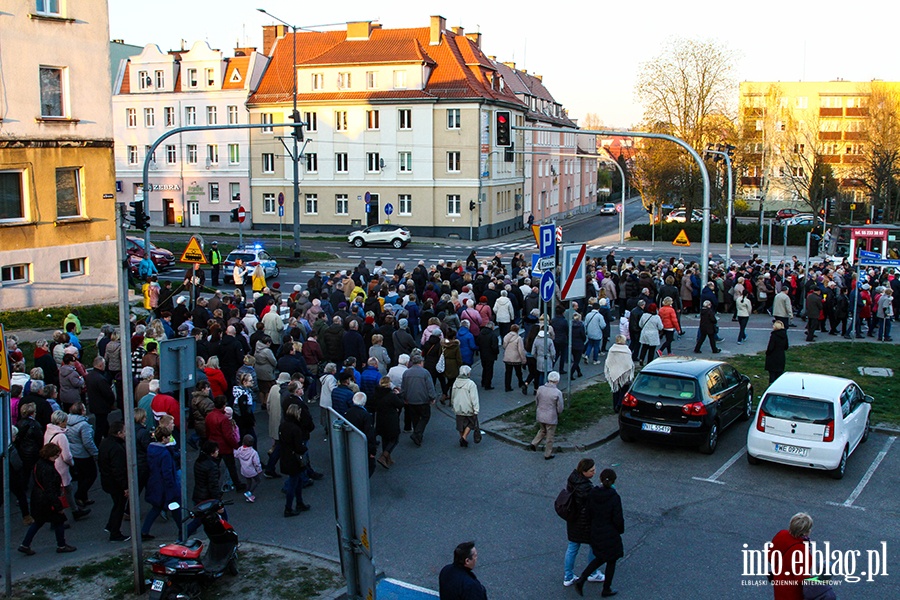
396	236
608	209
810	420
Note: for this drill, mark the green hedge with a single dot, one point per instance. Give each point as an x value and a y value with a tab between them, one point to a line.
740	233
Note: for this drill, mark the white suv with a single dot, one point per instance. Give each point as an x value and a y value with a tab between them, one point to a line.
396	236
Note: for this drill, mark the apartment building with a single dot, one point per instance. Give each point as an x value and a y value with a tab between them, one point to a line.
57	186
400	129
195	178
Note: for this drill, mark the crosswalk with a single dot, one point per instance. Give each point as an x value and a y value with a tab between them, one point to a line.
530	247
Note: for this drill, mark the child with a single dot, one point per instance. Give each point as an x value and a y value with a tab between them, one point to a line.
251	468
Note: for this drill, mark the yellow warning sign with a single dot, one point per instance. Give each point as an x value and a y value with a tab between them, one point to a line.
681	239
193	253
364	540
536	230
4	362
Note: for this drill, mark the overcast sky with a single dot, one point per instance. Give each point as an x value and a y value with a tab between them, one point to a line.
589	56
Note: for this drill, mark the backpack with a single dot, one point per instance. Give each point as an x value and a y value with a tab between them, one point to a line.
564	505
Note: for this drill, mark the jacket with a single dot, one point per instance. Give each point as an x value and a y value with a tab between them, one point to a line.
101	399
163	486
218	385
30	440
248	458
57	435
708	321
360	418
775	351
45	493
488	345
113	356
220	429
81	437
467	347
579	336
453	357
459	583
743	307
669	318
383	359
201	405
206	479
651	325
417	386
578	528
607	523
386	406
70	384
113	465
265	363
543	360
503	310
403	343
292	439
594	324
273	324
370	379
513	349
549	404
464	397
332	343
787	585
782	306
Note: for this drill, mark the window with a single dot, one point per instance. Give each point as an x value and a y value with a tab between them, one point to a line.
192	78
149	118
404	162
232	115
212	117
318	81
68	192
131	117
453	205
152	156
312	204
212	154
132	155
343	80
192	154
830	102
190	115
405	204
312	162
160	79
341	162
371	80
234	154
144	81
453	162
11	274
52	101
341	204
268	204
372	120
453	118
373	162
399	80
214	192
266	119
169	113
759	124
210	77
47	7
12	194
312	121
799	148
802	102
268	162
72	267
405	118
170	155
340	120
234	189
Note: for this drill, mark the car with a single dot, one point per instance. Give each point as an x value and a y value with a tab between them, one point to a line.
162	258
395	235
252	255
678	216
810	420
608	209
686	401
784	214
805	220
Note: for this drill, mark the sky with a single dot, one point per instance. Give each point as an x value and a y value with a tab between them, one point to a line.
589	53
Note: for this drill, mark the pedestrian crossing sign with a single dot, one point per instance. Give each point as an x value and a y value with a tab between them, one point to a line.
193	253
681	239
4	363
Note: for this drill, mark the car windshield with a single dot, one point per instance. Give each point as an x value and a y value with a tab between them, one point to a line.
665	386
244	256
794	408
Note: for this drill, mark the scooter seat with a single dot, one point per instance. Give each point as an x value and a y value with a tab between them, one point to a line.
190	549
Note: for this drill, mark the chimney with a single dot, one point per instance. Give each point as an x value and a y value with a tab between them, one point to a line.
511	65
244	51
438	25
538	77
270	34
475	38
359	30
459	30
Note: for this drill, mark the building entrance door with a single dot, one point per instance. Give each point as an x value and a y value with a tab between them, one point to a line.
372	215
169	216
194	214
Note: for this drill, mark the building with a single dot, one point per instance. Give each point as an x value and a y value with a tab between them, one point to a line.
400	129
57	186
196	178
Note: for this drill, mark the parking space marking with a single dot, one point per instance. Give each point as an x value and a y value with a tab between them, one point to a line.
848	503
714	478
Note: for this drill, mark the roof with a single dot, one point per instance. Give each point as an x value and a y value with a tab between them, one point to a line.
679	365
813	385
239	64
524	84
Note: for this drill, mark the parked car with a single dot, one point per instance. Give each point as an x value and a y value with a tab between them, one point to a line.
252	255
784	214
810	420
162	258
678	216
396	236
685	401
608	209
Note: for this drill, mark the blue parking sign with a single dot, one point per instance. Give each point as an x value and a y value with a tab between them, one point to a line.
547	239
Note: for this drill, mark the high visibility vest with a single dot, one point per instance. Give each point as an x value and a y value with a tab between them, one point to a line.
215	257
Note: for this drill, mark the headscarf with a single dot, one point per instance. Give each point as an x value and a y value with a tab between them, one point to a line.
619	368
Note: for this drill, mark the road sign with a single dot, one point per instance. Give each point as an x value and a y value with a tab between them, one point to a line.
548	286
868	254
879	262
681	239
280	198
242	214
619	207
368	197
388	208
536	232
534	265
368	207
546	263
573	272
4	362
193	253
558	234
280	211
547	241
852	206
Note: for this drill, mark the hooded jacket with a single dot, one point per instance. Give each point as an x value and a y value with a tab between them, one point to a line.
464	397
607	523
81	437
265	362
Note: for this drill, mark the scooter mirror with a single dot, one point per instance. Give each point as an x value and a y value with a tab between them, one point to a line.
173	506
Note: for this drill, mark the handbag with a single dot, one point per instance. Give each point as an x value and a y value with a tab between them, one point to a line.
441	364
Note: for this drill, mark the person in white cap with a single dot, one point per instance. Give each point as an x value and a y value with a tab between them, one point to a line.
549	405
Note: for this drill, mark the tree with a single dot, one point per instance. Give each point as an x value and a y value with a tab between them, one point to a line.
592	122
660	172
880	161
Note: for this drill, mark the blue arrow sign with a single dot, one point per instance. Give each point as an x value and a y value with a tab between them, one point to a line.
388	208
548	286
281	211
547	240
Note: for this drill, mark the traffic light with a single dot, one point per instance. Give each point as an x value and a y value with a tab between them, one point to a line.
138	216
502	126
234	215
471	205
509	154
879	215
298	125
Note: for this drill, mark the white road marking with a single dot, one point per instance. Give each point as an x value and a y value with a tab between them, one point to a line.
848	503
714	478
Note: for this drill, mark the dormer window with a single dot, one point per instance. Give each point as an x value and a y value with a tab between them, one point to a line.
343	81
210	78
318	81
399	80
160	80
144	81
192	78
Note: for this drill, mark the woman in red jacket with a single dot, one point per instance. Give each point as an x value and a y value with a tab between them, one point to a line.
786	543
670	325
216	377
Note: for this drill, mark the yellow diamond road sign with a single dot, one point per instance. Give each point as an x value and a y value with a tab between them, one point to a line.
681	239
4	363
193	253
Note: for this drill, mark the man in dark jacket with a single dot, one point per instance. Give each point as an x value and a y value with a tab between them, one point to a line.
560	327
403	342
231	355
707	328
489	349
457	581
113	466
207	474
814	308
42	407
353	344
360	418
44	359
101	399
332	341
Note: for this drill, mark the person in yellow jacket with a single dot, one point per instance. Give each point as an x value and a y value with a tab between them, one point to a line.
259	279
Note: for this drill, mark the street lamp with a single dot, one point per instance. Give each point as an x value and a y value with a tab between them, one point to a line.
622	212
725	152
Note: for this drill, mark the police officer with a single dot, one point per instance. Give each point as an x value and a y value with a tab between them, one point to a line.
215	260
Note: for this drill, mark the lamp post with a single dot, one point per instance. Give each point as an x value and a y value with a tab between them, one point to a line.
622	212
725	152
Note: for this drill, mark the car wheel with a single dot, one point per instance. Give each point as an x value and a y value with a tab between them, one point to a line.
865	435
625	436
712	439
275	273
748	410
397	243
752	459
358	242
838	473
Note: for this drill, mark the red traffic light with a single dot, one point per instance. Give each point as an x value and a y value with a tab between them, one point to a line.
501	118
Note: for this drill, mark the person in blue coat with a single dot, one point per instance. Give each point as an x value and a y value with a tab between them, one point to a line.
467	345
457	580
370	378
163	484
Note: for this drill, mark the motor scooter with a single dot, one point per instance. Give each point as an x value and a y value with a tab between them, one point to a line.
180	570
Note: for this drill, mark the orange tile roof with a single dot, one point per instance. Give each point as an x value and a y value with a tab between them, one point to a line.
239	64
125	88
529	85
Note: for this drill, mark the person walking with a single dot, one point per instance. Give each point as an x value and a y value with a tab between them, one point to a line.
513	358
163	485
544	356
579	342
84	452
578	525
46	502
607	527
215	261
464	399
594	324
291	436
619	370
457	580
670	323
885	315
418	390
707	328
387	404
549	405
56	434
113	465
775	351
782	309
814	309
788	583
743	307
650	325
489	350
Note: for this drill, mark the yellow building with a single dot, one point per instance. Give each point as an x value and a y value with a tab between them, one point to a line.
57	176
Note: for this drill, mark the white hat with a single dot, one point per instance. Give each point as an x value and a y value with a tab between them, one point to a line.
180	300
297	288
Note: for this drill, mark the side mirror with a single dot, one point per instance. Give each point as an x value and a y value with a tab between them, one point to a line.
869	399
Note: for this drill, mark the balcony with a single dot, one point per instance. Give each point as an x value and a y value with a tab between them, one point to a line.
829	135
831	112
858	112
751	112
853	159
831	159
751	181
854	135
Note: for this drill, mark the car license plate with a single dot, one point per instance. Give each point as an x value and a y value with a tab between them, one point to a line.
158	585
795	450
656	428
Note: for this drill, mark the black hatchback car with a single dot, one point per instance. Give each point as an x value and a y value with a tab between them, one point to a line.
685	401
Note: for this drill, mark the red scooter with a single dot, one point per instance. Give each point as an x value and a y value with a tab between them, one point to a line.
181	570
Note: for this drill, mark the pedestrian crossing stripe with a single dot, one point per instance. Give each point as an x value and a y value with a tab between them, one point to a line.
193	253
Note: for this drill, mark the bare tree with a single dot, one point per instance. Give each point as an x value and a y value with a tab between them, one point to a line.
880	162
592	121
